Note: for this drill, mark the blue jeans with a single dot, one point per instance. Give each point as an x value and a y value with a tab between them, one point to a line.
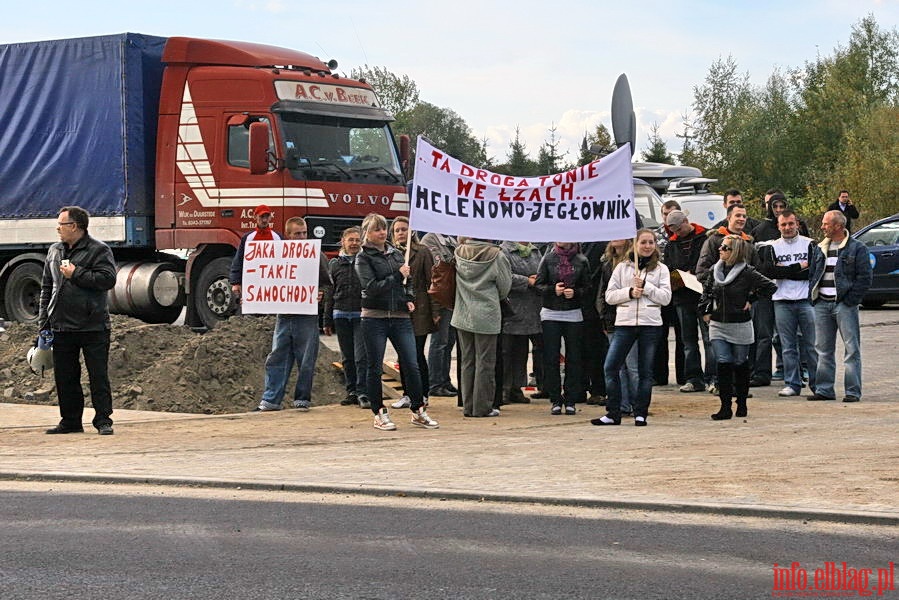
692	326
735	354
352	347
440	352
295	339
629	374
646	337
794	317
830	317
553	334
376	332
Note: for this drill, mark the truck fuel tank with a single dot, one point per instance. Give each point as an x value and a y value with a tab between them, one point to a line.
152	291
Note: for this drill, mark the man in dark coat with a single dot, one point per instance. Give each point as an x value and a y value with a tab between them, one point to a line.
78	272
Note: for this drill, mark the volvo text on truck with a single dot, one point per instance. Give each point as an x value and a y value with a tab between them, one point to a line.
169	143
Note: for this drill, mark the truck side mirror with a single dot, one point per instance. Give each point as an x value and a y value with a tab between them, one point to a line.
259	137
405	153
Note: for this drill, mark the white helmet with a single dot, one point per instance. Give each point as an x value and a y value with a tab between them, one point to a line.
40	361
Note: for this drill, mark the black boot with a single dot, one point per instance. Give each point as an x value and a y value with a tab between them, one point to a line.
741	387
725	391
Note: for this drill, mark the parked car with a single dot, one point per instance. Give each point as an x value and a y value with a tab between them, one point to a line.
882	240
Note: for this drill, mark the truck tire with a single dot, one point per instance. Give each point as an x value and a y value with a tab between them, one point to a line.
22	296
213	300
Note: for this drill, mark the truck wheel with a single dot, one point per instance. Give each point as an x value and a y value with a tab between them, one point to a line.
22	297
213	300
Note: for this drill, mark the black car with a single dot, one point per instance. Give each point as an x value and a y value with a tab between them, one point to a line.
882	240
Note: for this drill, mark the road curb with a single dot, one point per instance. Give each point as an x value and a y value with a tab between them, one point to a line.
736	510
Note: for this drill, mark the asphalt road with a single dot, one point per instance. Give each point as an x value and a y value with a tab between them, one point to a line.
60	544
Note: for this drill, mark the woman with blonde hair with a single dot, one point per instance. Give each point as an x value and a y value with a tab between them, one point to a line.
616	252
639	290
426	313
729	288
387	301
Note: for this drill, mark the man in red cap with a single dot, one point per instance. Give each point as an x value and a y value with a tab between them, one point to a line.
263	231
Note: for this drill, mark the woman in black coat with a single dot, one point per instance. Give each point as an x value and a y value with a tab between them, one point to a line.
729	289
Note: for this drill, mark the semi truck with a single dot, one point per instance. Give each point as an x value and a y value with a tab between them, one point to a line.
169	143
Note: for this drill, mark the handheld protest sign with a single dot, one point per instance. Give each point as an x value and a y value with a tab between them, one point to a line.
281	277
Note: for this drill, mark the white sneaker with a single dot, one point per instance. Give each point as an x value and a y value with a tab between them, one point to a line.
266	407
787	391
404	402
422	419
383	422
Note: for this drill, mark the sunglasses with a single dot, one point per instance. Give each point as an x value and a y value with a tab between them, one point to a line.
724	247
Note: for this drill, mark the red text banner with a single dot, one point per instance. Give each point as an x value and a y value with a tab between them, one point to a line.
593	202
281	277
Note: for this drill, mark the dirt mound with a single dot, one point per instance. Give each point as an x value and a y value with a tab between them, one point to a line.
171	368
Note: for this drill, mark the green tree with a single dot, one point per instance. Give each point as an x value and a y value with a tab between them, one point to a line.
688	155
809	131
599	139
868	166
519	163
445	129
719	105
397	93
837	93
657	150
549	159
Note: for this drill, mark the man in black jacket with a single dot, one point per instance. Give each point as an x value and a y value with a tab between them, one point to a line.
681	254
844	204
78	272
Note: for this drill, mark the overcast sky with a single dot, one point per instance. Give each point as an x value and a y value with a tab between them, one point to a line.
501	65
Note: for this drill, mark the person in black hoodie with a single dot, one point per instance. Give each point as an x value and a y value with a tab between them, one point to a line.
767	229
387	301
343	316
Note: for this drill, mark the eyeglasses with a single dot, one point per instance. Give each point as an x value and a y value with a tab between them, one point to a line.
65	223
725	248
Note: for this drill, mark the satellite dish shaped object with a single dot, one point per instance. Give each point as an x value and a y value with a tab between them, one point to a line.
624	121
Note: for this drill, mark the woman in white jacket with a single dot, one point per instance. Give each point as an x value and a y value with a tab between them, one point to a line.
639	292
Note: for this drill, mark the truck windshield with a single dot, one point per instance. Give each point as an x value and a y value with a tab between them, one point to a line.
328	148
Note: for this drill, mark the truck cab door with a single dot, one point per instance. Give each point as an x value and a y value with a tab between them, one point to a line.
251	176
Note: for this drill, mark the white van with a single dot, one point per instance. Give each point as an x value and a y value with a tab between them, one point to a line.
648	203
700	205
684	184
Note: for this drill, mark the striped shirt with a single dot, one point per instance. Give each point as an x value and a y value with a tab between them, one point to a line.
827	290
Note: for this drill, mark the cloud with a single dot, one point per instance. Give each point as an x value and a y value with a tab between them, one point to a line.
269	6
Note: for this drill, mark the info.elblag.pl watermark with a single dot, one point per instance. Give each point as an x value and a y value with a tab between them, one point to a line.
833	580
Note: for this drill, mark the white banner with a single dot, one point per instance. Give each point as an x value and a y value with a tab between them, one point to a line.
589	203
281	277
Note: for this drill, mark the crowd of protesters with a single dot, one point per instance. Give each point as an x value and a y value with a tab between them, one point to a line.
750	301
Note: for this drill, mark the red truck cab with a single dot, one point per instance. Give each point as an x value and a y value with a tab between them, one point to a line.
329	156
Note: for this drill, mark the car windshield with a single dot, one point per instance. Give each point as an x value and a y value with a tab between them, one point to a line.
647	204
329	148
885	234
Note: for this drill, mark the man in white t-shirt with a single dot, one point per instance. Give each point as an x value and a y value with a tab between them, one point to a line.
786	260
